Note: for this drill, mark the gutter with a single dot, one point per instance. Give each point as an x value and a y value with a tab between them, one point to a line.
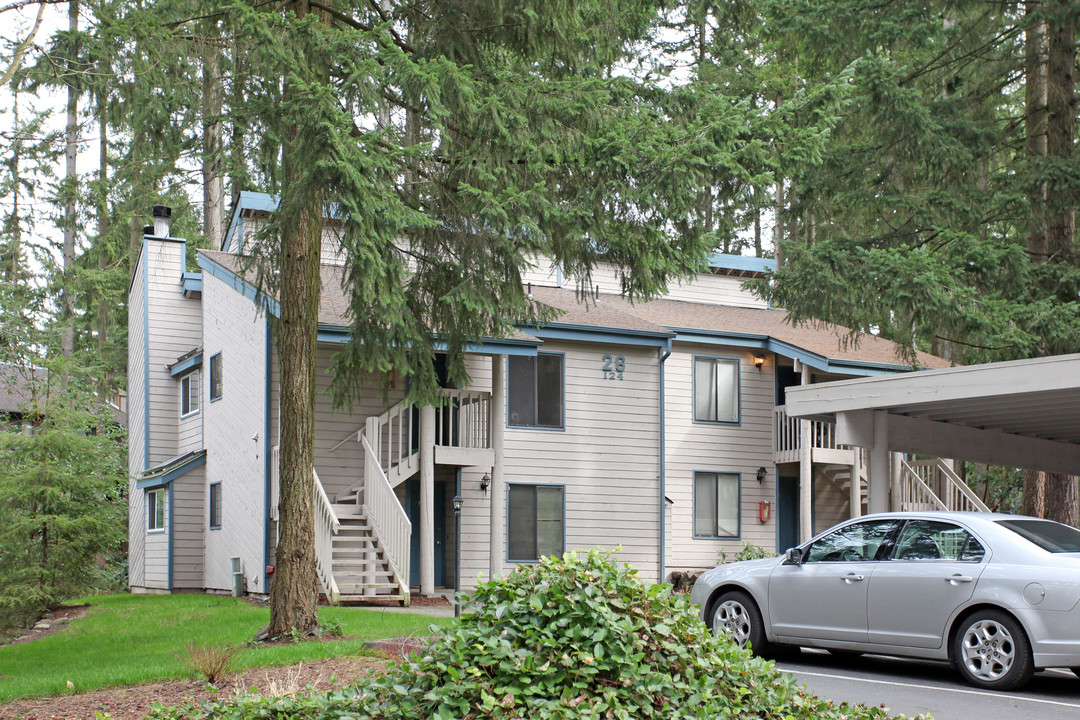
664	353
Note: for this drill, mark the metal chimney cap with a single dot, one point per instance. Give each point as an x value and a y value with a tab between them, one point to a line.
148	229
162	211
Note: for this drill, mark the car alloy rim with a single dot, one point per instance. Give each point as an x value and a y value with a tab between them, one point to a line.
988	650
731	619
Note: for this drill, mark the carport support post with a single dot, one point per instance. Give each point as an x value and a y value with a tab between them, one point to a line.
806	471
498	489
880	465
427	500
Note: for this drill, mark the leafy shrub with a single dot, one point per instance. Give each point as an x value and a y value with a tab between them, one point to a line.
572	637
750	551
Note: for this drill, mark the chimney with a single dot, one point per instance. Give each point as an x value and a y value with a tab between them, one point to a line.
162	220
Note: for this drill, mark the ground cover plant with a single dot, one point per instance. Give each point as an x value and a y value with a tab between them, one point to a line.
572	637
128	639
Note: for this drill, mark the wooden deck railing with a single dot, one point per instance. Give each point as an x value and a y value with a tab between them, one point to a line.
786	436
946	487
462	419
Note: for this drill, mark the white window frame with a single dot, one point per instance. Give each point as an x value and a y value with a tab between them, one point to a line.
190	391
157	503
716	511
711	413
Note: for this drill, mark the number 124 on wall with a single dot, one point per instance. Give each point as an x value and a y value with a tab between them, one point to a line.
613	367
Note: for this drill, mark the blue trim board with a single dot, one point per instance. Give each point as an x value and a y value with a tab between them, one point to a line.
610	336
239	284
180	368
146	352
742	262
246	200
664	354
197	459
267	455
172	524
192	282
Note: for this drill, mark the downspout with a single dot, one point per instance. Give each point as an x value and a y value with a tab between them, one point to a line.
665	353
267	458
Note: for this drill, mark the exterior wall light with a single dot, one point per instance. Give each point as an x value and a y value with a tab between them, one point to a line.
759	361
761	473
485	482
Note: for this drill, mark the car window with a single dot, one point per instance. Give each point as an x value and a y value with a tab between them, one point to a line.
1051	536
923	540
851	543
973	551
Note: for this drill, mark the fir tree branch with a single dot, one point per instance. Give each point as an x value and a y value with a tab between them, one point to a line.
16	59
358	25
26	3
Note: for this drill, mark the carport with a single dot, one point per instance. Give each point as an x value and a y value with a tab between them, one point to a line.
1022	413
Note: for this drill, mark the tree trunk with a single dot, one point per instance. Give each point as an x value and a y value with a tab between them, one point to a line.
213	180
294	591
1034	499
102	216
1062	499
71	150
1060	125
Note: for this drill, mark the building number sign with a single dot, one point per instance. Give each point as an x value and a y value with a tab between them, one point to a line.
613	367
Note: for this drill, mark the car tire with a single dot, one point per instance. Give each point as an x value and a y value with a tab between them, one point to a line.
736	615
991	651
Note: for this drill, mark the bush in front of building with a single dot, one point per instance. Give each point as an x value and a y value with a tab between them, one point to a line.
570	637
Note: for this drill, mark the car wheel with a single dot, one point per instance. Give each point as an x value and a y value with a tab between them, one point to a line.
992	651
736	616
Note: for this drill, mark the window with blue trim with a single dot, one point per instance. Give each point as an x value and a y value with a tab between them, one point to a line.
535	390
215	377
189	393
716	389
155	510
535	521
716	505
215	506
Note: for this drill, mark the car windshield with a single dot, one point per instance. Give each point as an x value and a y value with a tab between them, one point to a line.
1051	536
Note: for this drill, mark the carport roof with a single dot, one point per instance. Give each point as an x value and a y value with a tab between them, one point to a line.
992	413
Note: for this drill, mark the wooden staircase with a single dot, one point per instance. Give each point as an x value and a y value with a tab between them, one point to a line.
361	568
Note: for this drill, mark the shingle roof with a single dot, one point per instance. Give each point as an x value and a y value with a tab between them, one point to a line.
16	392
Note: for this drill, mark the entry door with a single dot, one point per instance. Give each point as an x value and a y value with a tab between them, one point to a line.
412	507
787	513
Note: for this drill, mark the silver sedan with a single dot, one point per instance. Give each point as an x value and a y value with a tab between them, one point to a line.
997	595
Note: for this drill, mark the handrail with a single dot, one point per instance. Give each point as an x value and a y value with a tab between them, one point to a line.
915	491
385	417
787	437
326	526
462	419
388	520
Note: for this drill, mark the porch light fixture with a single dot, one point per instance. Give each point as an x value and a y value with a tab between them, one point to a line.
485	482
761	473
759	361
458	501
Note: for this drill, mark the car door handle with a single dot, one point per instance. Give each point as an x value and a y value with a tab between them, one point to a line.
958	578
851	577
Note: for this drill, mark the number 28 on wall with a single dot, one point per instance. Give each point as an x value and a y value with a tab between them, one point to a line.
613	367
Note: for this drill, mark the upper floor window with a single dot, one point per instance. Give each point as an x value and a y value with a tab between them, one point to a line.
716	389
535	390
189	394
215	377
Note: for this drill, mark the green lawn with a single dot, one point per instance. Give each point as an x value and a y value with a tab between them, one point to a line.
128	639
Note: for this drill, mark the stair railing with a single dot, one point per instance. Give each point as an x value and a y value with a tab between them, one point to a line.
392	436
388	520
326	527
915	493
950	487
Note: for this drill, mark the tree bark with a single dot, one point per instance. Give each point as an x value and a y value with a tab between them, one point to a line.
1033	502
1060	125
1062	499
71	150
213	179
294	590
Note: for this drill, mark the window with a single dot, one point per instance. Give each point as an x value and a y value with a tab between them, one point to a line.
215	377
1047	534
716	390
716	505
189	394
535	521
535	390
215	506
852	543
935	540
155	510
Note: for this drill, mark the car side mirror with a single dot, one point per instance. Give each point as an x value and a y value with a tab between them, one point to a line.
793	556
